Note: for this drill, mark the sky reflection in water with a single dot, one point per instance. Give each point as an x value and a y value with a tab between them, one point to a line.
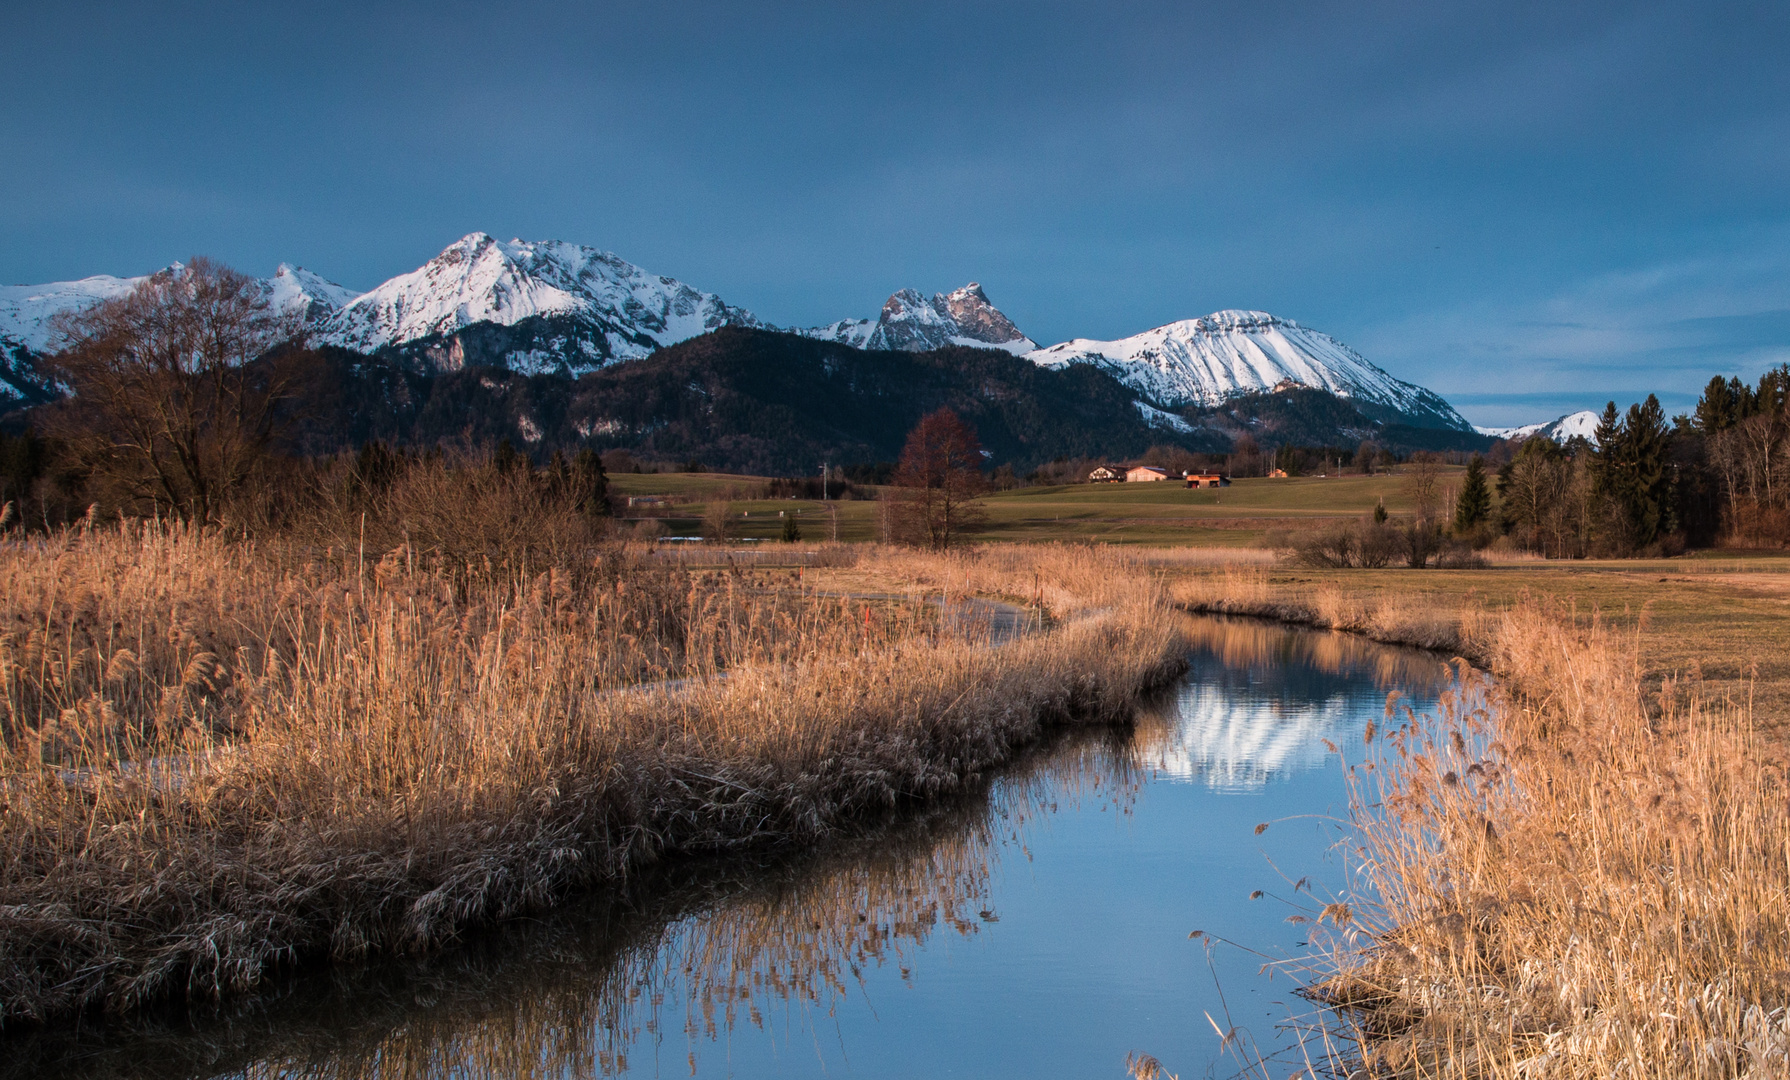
1039	931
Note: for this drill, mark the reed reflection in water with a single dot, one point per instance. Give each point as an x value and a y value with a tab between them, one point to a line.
1038	928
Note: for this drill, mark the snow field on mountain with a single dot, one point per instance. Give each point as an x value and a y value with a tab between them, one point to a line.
1207	361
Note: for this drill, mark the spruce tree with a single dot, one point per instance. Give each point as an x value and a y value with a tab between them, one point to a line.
590	484
1475	503
792	532
1718	409
1647	488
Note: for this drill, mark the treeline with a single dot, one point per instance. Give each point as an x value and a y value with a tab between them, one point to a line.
1719	475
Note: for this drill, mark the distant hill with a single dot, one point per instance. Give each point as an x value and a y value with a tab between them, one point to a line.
1301	416
761	401
743	400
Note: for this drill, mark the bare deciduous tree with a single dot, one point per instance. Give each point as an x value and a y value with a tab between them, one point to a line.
717	520
1423	483
939	473
168	403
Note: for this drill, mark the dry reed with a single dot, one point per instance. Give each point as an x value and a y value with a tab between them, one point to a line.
221	759
1576	877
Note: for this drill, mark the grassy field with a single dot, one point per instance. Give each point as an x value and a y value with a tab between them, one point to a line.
1134	514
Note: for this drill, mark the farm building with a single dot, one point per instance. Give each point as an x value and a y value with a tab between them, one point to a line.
1145	472
1207	480
1107	474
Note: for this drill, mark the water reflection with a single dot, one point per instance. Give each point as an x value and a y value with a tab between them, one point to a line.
1260	702
938	943
687	956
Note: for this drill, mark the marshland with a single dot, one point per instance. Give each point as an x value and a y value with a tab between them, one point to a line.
234	769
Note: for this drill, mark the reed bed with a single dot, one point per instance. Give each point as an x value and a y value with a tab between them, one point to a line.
1576	877
220	759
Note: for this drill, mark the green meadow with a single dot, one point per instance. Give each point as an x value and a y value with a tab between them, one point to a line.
1161	513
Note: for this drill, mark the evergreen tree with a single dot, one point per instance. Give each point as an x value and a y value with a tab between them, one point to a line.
1629	474
792	532
1648	489
1475	502
1719	408
590	484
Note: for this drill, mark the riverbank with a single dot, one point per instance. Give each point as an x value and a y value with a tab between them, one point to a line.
223	759
1580	869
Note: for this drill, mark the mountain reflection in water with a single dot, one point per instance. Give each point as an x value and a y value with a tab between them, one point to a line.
765	964
1259	702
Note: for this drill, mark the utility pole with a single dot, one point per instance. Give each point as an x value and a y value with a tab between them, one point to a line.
823	481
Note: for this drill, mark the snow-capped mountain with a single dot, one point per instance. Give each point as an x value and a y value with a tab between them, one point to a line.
577	308
28	312
1582	424
912	323
556	307
1211	360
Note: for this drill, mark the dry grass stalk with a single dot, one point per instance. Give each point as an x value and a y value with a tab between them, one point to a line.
220	759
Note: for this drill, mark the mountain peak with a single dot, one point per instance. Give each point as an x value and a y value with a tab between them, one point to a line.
1580	424
1211	359
593	307
911	322
295	291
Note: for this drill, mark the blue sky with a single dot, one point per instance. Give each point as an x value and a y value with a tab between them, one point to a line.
1528	208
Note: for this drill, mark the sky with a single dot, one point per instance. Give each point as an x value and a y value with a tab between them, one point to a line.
1529	208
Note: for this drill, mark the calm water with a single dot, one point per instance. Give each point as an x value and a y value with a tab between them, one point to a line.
1041	930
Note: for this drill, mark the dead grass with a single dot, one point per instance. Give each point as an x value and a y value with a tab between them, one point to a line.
1579	867
1576	878
221	759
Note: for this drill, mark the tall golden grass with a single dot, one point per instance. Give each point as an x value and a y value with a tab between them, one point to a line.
1576	877
223	758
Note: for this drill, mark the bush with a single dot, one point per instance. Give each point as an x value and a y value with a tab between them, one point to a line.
1367	545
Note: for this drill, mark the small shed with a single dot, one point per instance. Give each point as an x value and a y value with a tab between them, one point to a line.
1207	480
1139	473
1107	474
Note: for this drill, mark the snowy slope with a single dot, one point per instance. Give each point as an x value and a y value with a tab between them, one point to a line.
26	310
27	313
1208	361
293	290
600	308
912	323
1581	424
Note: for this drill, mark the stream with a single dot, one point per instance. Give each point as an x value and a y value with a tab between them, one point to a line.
1039	928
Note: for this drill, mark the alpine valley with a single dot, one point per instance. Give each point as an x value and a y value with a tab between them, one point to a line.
552	345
